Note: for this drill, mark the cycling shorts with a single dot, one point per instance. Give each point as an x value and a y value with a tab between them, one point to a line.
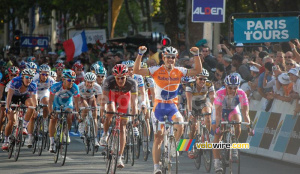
226	114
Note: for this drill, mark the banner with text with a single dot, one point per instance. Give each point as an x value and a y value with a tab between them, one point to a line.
208	11
34	42
258	30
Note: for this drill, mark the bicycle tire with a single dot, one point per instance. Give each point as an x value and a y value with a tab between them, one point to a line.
171	141
2	132
108	154
18	140
115	154
138	140
57	143
232	167
87	137
145	142
35	135
64	144
198	152
92	137
11	144
126	149
224	154
207	153
131	139
41	137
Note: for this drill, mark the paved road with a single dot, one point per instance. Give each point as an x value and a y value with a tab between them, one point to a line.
79	162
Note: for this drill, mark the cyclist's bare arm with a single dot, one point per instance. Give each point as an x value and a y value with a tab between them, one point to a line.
211	95
104	100
198	65
142	93
76	102
1	90
137	65
134	100
34	99
51	99
218	109
8	97
245	113
189	100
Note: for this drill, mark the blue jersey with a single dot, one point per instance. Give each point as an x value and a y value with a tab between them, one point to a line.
63	96
16	84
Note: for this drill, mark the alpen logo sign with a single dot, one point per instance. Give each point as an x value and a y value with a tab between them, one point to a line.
208	11
257	30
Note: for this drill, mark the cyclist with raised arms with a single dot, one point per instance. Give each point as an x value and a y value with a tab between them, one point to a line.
44	82
197	101
21	89
167	79
226	105
88	89
121	90
62	93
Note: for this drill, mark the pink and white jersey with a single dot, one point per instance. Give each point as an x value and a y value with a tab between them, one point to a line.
230	103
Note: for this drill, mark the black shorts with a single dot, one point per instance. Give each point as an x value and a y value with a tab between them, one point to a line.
20	98
198	105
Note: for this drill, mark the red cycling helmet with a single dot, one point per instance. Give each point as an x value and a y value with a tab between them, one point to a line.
13	70
120	69
59	65
78	65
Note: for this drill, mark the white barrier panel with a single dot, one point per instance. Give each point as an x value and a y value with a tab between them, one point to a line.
277	132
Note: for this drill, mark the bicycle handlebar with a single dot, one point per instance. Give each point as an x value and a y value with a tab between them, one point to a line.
22	106
120	114
89	108
234	122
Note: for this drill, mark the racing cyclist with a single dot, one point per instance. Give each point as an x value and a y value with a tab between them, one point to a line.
88	89
197	102
44	82
78	68
13	71
21	89
59	67
121	90
32	66
62	93
53	75
226	108
167	79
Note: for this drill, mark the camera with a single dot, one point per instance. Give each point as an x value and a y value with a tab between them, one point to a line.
274	68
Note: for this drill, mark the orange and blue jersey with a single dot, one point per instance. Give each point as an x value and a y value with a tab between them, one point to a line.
166	91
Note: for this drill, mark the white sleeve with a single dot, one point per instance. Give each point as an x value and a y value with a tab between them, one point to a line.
98	89
183	70
271	83
152	69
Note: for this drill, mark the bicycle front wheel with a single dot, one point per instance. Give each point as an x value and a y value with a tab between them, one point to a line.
207	153
92	137
234	159
18	140
198	154
114	151
173	158
64	143
145	140
41	136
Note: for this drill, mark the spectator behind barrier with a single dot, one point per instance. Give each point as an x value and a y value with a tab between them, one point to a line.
242	69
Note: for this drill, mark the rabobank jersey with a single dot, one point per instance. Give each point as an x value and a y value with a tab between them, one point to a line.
63	96
43	86
16	84
167	83
139	79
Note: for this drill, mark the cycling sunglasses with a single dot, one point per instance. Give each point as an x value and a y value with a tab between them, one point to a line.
120	78
169	56
100	76
28	77
45	74
232	87
71	80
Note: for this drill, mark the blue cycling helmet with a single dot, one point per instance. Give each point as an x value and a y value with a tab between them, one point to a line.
30	59
95	67
185	79
45	67
102	71
129	63
31	65
232	80
99	63
22	65
67	73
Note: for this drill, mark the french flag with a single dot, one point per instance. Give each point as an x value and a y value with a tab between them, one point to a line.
75	46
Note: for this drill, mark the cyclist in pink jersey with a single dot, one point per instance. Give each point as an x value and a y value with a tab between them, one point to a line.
226	108
167	79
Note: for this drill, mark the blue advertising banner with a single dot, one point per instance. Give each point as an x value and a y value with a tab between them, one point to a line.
208	11
258	30
260	128
34	42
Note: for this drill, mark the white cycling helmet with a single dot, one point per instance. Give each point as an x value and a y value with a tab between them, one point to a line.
53	74
45	67
90	77
170	50
204	73
27	71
